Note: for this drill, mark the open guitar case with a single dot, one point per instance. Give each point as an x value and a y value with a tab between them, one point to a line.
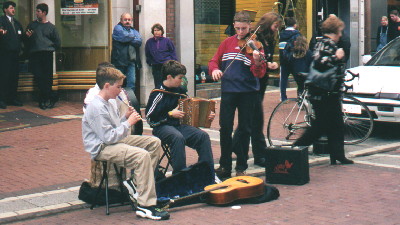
193	180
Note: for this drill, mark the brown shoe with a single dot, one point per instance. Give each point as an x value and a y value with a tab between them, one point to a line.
240	173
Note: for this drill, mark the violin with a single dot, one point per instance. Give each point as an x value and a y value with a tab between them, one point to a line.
244	43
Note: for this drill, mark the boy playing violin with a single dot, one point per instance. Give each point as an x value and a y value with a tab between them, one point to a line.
239	72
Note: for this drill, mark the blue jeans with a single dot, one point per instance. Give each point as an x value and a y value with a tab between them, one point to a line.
177	137
130	72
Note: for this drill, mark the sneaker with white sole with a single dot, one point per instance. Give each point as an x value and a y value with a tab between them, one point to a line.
133	194
152	212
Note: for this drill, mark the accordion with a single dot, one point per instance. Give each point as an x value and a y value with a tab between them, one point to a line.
197	111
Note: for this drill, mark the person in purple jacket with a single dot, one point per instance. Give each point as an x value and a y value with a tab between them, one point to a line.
158	50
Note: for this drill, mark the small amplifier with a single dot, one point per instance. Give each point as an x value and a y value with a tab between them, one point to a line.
287	165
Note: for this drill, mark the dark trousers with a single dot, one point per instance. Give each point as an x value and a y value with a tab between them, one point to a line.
156	69
239	144
41	65
9	75
257	134
329	121
300	80
257	131
177	137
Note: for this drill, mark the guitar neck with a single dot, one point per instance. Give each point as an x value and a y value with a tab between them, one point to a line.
194	195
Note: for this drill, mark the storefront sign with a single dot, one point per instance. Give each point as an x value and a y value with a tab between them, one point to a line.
79	7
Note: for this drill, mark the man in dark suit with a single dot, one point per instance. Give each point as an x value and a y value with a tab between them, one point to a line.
10	47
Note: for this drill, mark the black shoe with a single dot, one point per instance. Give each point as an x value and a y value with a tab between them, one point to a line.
152	212
3	105
343	160
223	173
42	105
260	162
51	104
15	103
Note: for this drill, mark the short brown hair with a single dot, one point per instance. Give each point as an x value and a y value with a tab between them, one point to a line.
158	26
332	25
173	68
109	75
43	7
242	16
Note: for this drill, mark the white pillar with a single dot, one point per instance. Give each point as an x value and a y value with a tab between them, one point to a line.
354	33
152	11
185	39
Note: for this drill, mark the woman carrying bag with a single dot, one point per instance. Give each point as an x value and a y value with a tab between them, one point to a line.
327	103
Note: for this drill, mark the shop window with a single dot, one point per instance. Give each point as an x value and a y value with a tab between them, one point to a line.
208	35
84	38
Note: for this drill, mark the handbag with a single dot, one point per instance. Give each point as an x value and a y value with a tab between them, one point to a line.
325	80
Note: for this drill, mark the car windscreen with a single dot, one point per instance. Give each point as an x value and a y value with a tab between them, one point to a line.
388	56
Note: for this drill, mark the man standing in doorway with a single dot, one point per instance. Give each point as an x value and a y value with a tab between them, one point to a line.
125	49
10	47
43	40
394	25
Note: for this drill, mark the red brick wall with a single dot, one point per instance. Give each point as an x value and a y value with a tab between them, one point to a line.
170	26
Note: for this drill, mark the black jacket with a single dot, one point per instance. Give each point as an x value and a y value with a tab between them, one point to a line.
12	40
160	104
285	37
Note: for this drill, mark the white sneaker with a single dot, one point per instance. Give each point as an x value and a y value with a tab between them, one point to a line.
133	194
217	180
152	212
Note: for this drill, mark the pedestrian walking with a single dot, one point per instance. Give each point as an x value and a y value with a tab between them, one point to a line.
327	104
286	41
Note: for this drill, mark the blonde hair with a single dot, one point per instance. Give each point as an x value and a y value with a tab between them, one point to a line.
300	47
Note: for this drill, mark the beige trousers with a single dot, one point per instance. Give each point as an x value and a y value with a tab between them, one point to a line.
140	153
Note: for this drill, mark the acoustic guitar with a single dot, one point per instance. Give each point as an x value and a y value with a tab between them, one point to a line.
230	190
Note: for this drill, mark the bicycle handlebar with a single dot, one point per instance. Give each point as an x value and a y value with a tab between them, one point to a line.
353	75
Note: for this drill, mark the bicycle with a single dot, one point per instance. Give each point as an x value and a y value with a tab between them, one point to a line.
291	117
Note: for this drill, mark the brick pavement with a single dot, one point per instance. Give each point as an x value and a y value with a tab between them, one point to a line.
51	157
351	194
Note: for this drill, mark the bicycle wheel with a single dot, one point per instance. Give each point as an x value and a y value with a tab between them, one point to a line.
358	121
287	122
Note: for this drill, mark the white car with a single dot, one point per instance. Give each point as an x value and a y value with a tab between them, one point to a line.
378	84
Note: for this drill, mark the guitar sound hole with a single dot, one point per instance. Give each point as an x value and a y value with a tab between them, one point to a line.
243	181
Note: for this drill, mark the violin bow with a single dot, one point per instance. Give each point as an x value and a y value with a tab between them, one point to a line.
244	46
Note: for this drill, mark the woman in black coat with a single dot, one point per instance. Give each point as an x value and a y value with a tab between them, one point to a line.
327	105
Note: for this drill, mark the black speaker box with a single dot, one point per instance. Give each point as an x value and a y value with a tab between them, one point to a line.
287	165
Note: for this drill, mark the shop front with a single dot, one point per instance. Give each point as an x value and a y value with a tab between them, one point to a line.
197	28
